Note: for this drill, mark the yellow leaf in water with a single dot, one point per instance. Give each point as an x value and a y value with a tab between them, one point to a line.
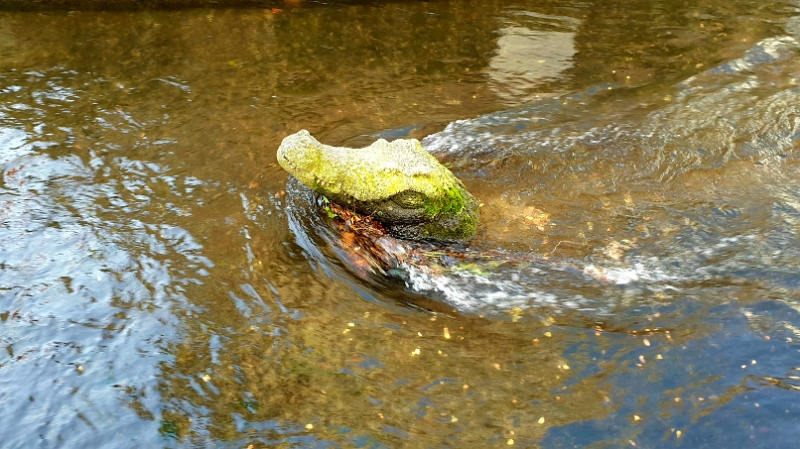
537	218
628	199
614	250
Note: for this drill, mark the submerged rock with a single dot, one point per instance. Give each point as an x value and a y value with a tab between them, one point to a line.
397	183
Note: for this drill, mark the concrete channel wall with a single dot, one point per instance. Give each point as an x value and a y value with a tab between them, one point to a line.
134	4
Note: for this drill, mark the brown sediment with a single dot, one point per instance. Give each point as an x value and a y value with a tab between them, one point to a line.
351	221
358	240
368	248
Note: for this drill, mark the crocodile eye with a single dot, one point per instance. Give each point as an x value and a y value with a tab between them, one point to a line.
410	199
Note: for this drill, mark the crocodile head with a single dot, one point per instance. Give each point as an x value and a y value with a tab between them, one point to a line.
398	183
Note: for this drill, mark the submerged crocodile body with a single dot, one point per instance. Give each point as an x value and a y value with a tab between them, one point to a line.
397	183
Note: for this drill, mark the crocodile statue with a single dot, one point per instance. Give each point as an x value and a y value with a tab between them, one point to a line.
398	184
391	211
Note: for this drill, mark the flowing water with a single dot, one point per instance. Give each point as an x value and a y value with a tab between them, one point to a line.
163	283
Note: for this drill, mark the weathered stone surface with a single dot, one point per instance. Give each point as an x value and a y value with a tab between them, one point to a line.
398	183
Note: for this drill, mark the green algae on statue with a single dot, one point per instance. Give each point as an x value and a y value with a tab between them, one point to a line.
398	183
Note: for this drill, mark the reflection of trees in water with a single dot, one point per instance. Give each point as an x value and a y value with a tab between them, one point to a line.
258	75
306	50
348	70
661	41
450	39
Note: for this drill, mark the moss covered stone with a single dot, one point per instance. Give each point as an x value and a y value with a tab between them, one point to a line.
399	183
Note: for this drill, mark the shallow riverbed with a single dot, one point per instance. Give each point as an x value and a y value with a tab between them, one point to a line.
160	285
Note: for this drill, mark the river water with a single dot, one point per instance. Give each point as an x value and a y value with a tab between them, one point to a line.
158	287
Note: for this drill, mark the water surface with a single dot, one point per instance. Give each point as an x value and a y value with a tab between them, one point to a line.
156	291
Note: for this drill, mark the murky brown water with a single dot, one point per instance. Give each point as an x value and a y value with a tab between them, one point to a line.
156	290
